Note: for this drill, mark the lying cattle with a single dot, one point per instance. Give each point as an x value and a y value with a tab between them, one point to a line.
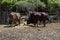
14	17
37	16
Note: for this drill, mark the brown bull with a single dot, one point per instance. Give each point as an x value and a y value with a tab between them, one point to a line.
14	17
37	16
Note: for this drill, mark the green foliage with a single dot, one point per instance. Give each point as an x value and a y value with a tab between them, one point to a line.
7	5
39	3
51	5
9	1
21	3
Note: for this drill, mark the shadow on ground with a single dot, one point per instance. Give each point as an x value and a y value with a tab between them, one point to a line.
7	26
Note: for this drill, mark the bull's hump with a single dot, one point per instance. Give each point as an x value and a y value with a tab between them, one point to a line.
13	13
44	13
37	13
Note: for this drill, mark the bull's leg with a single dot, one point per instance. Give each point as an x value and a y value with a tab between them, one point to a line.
13	24
18	22
10	22
38	23
35	24
44	23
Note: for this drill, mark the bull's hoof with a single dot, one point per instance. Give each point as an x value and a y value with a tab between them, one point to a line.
16	24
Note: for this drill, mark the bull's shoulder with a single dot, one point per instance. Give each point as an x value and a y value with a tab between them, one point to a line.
44	13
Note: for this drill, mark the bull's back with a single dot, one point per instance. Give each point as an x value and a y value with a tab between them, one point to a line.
15	14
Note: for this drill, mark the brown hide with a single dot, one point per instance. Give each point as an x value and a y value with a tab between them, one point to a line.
37	16
14	17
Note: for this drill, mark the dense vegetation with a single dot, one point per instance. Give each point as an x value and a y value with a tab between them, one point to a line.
52	6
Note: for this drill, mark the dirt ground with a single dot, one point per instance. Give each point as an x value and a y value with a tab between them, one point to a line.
50	32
